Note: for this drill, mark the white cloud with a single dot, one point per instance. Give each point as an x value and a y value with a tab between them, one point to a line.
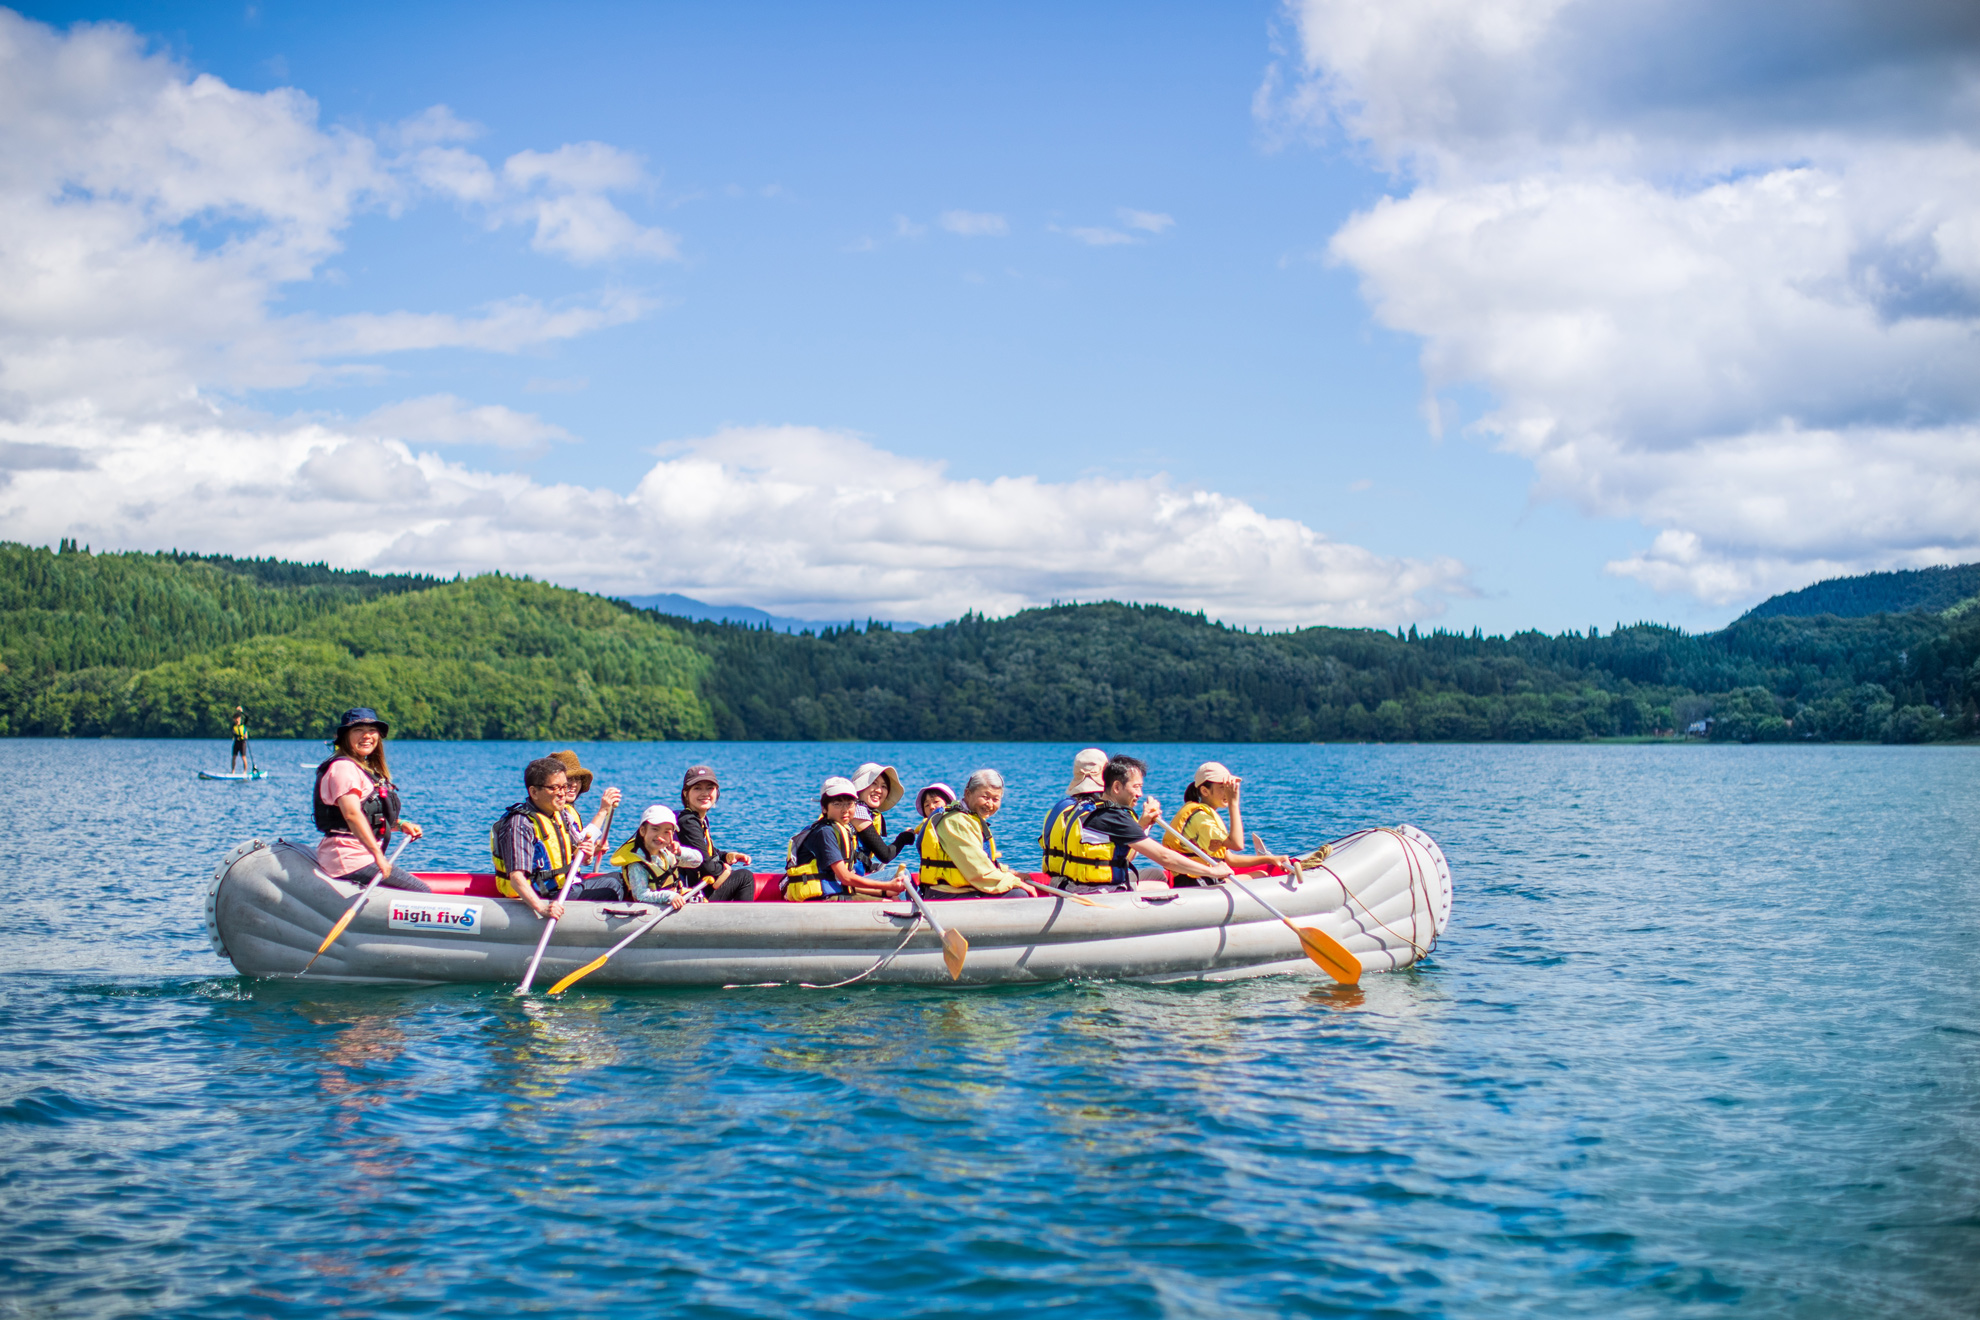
1734	296
442	419
1148	222
1096	235
831	525
974	224
150	220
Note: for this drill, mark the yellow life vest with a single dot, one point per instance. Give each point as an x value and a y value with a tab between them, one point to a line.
1216	846
1067	853
555	850
806	880
937	867
641	872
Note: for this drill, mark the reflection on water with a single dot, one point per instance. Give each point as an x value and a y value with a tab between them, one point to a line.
1656	1068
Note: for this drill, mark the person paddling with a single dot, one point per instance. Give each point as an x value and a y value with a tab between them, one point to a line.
1090	845
818	862
730	879
1211	789
653	864
535	848
577	782
876	788
357	808
958	851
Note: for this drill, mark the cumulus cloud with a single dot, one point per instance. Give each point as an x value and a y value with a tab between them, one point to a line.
974	224
797	519
442	419
1718	265
150	219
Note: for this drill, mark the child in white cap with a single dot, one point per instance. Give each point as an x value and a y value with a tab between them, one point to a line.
653	863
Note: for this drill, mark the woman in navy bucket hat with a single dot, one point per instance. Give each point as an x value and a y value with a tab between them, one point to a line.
357	808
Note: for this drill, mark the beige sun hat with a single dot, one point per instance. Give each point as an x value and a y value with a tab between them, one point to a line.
577	773
1086	771
1213	772
863	779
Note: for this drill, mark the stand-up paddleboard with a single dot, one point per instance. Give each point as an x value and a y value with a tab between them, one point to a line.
232	776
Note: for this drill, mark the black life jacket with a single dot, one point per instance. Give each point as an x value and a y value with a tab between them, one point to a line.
380	804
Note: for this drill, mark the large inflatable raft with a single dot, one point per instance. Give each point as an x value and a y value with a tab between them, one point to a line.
1383	893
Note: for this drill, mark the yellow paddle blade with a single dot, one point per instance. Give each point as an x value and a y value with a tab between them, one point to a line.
579	974
1335	958
335	931
954	949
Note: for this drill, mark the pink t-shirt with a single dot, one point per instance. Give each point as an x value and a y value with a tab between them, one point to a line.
341	854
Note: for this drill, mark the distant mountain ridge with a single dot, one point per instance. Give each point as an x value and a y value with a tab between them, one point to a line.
687	607
1929	589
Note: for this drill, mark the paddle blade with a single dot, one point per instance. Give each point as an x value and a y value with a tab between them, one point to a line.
954	949
335	931
579	974
1334	958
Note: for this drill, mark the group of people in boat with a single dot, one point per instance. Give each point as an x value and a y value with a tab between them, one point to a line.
1100	836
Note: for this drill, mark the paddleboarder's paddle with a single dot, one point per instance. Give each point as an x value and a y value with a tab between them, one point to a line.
606	957
357	905
954	947
1333	957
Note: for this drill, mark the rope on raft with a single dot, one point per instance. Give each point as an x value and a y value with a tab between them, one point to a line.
914	926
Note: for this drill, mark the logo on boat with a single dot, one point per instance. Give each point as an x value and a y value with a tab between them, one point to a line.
424	912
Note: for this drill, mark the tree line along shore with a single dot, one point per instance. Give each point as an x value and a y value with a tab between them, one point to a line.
166	644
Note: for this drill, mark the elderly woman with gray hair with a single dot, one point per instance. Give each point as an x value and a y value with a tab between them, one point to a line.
958	850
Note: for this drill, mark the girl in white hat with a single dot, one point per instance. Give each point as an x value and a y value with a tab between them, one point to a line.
1211	789
654	864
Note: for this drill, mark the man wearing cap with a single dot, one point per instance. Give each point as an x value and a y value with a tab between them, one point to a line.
1089	845
535	847
652	862
876	788
728	873
818	863
958	851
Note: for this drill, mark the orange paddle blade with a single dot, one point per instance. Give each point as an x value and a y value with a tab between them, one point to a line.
1335	958
954	949
579	974
336	930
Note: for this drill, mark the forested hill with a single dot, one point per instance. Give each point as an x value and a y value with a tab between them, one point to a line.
1930	589
166	645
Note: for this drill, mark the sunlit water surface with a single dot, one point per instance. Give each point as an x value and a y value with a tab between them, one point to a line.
1702	1039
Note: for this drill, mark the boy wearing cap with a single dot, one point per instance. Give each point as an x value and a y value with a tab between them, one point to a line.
818	863
653	863
730	879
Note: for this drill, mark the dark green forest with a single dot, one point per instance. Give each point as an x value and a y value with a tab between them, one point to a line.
164	645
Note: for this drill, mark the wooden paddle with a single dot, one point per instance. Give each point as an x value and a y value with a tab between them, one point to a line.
356	906
606	956
954	947
1333	957
1065	893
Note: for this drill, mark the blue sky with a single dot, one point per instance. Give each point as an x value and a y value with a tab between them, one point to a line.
1147	269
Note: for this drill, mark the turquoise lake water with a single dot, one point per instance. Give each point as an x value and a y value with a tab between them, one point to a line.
1703	1038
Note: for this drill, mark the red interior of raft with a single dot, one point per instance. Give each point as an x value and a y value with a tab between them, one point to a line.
475	884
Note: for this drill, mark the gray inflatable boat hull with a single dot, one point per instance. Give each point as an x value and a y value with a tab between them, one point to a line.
1384	893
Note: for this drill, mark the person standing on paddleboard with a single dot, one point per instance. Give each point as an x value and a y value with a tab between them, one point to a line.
239	756
357	808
